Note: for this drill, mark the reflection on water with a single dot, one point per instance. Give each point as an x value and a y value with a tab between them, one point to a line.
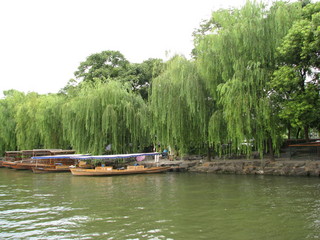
158	206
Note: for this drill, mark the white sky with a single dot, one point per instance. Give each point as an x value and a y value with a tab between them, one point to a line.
42	42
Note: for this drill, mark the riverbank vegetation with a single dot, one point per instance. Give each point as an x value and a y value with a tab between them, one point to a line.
253	80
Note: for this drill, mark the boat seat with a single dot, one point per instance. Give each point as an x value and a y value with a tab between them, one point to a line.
135	167
104	168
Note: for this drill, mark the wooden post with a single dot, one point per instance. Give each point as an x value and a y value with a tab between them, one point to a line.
209	153
156	158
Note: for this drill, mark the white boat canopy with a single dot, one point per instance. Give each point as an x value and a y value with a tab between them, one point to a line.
67	156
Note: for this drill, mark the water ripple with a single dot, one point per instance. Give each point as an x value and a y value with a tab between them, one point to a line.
169	206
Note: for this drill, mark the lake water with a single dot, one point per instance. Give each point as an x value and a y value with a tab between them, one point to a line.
158	206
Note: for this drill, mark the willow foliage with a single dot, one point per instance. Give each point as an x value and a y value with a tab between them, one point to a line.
31	121
8	108
223	96
27	130
179	105
49	121
103	114
237	60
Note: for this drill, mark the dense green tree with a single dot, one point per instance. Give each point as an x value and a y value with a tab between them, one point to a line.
103	114
27	128
255	71
71	89
237	60
8	107
102	66
31	121
49	121
296	82
112	65
179	105
140	75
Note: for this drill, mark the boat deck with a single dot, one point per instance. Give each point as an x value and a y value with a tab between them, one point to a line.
109	171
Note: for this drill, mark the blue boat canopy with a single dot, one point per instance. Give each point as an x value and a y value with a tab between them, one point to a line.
116	156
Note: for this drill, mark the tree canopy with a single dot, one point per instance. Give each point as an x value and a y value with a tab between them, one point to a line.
237	60
112	65
180	107
102	66
254	77
103	114
296	81
8	107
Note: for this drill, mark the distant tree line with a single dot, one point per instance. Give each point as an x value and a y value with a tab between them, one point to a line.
253	80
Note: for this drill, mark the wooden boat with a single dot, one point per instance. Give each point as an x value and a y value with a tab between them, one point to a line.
56	163
8	164
109	171
23	165
22	160
51	169
49	152
13	155
10	158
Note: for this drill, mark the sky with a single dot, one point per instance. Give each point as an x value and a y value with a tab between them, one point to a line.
42	42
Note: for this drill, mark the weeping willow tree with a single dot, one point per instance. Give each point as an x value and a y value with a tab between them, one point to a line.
48	117
237	59
103	114
8	108
179	105
27	128
30	121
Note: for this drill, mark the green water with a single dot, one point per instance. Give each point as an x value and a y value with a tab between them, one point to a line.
158	206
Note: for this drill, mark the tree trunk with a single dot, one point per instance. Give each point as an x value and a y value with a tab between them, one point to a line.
298	132
271	152
306	133
289	131
209	152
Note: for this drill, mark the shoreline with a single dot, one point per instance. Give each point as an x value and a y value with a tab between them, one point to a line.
278	167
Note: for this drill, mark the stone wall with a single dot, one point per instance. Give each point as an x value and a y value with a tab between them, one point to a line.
262	167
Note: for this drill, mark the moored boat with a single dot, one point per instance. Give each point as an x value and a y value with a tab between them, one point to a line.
22	160
56	163
109	171
51	169
23	165
11	158
8	164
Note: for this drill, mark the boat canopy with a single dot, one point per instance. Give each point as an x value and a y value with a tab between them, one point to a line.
69	156
116	156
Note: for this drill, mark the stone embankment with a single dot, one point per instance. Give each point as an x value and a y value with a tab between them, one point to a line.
280	167
262	167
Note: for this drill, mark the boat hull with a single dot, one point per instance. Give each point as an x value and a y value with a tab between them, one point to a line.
8	164
51	169
20	166
28	166
115	172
